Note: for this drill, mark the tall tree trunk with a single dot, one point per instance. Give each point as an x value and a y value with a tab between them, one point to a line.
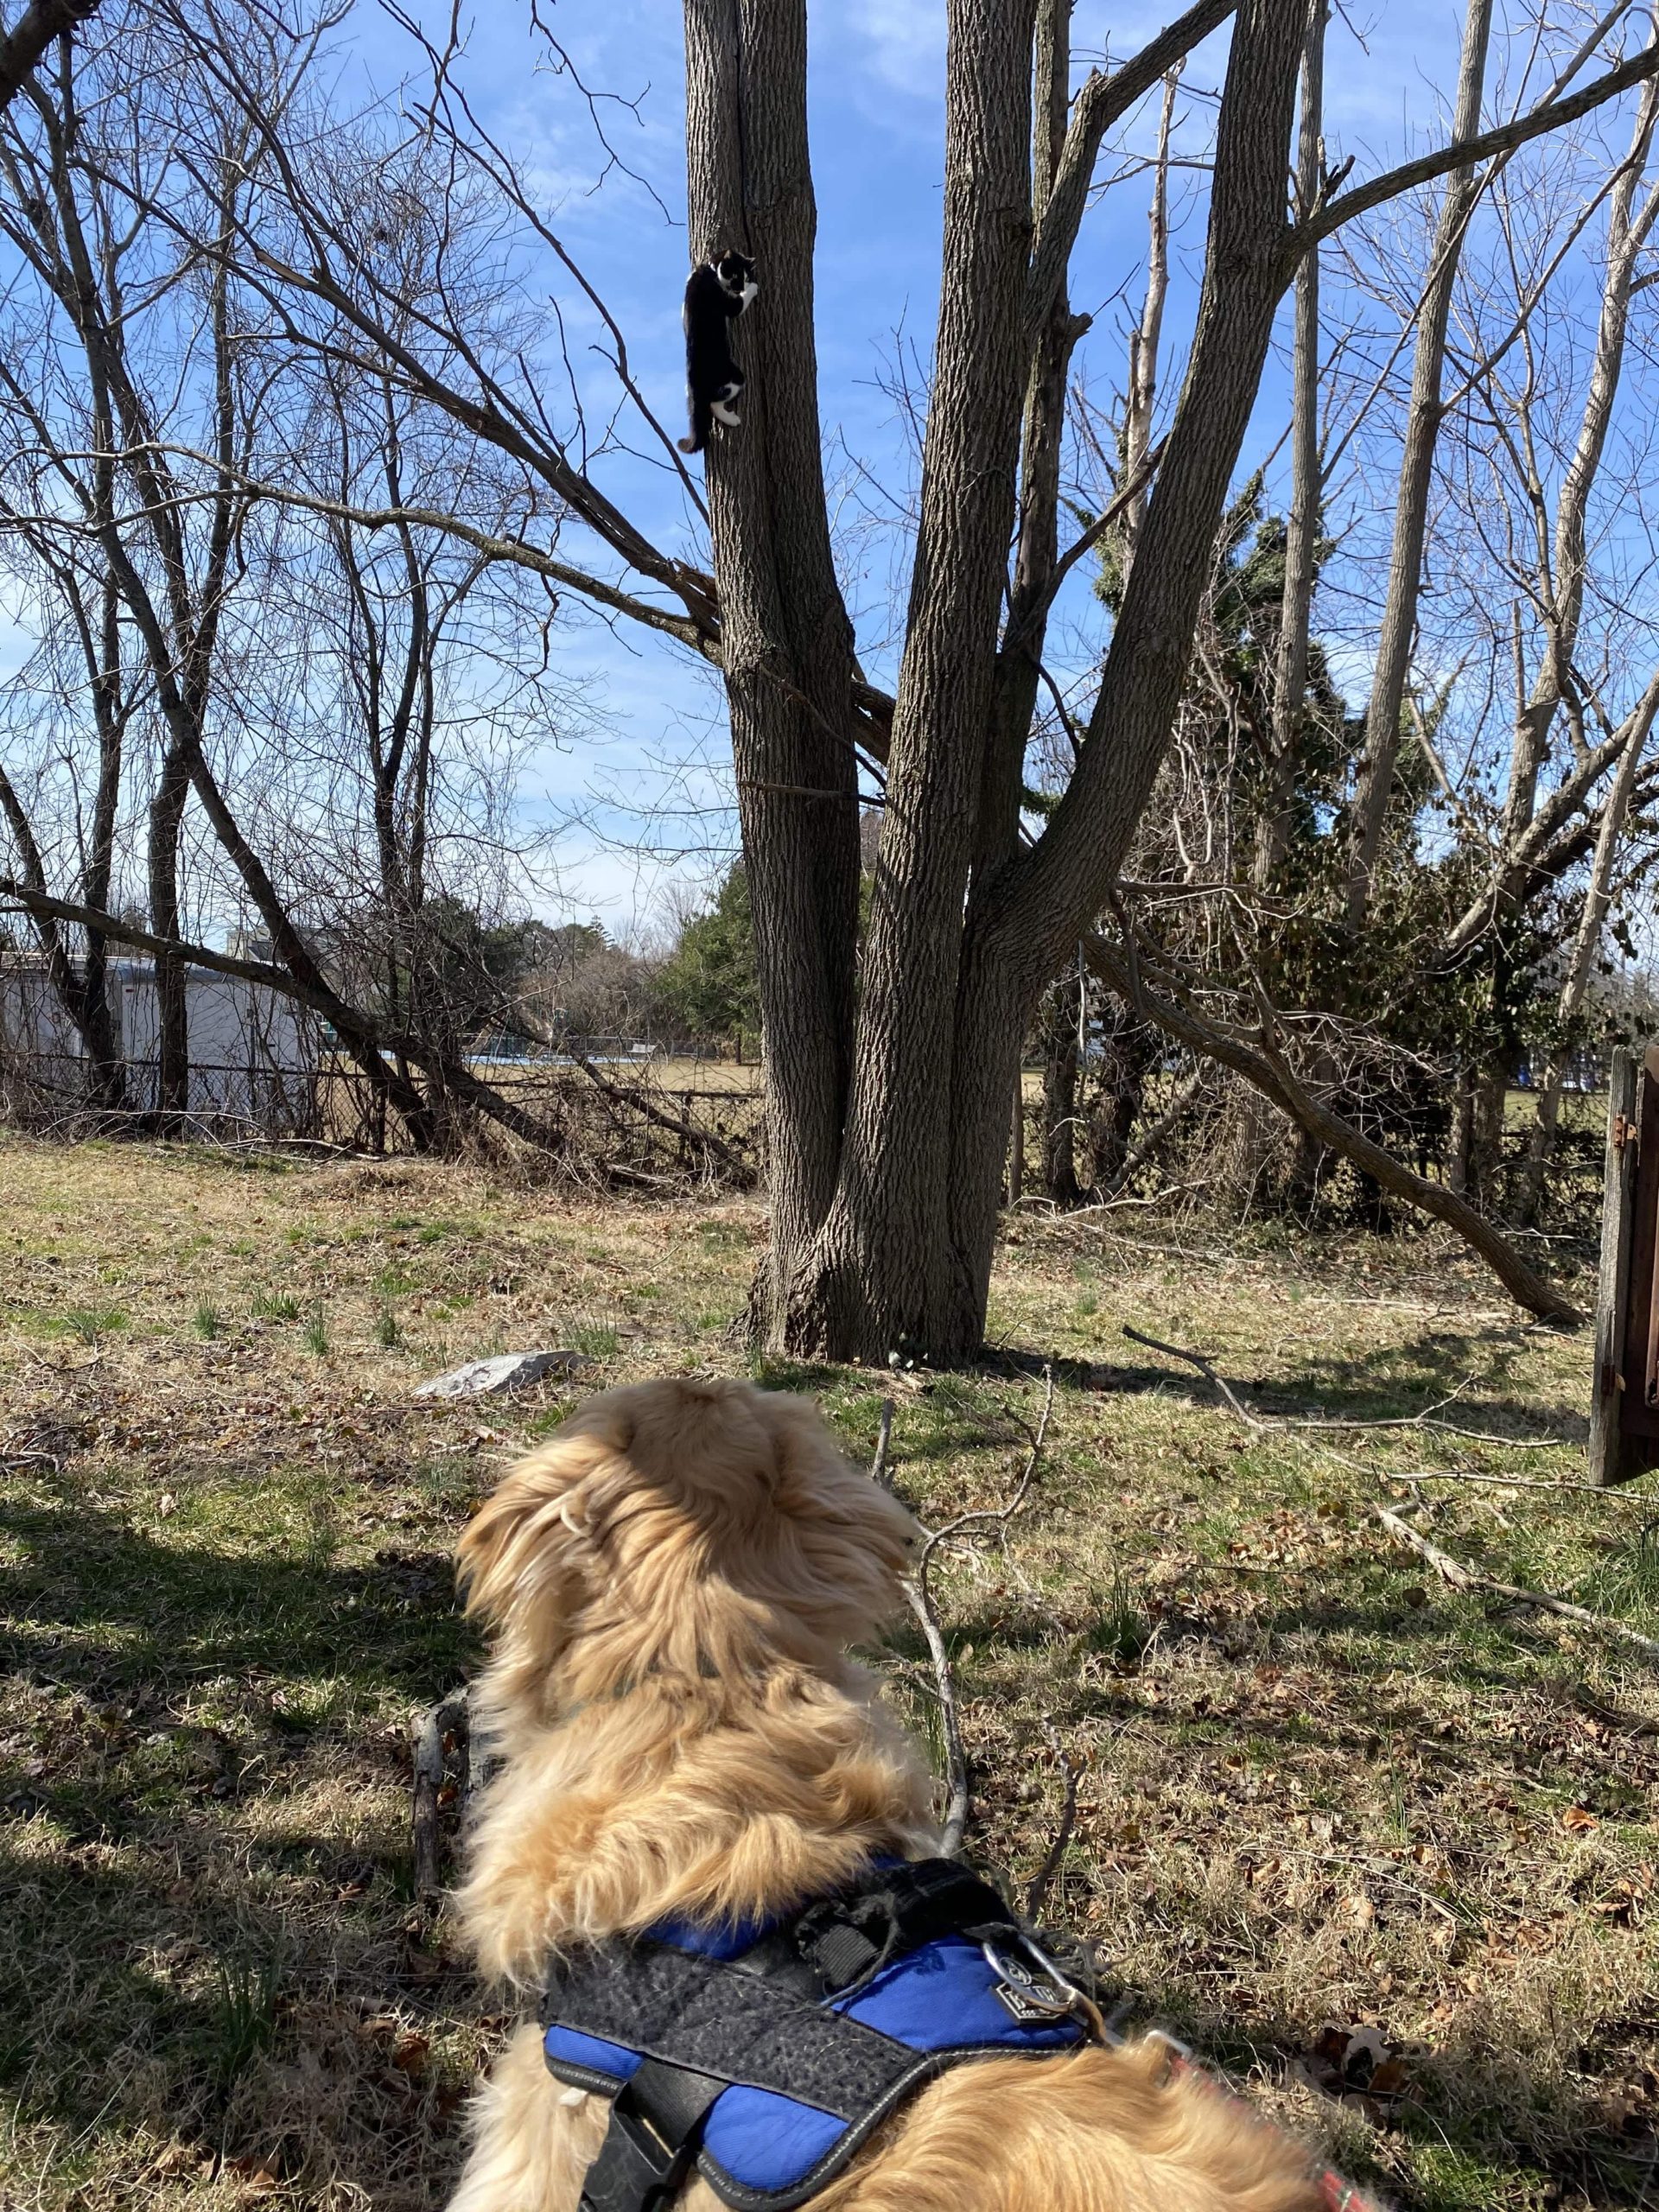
787	641
1560	587
1061	1062
107	1065
1021	924
886	1274
1145	339
1580	967
1306	486
172	1101
1376	782
1019	666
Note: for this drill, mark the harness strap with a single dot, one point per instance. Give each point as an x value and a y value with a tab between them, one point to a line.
651	2139
760	2021
651	1997
851	1937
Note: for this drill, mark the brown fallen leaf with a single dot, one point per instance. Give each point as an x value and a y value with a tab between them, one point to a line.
1578	1820
410	2051
259	2169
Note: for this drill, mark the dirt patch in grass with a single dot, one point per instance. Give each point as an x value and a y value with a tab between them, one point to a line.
1382	1850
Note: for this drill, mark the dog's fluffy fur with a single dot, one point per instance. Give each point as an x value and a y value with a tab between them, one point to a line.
672	1583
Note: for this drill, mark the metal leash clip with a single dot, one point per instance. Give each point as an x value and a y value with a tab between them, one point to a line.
1020	1993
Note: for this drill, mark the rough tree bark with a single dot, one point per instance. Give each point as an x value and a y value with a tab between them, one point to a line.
965	930
786	640
1021	922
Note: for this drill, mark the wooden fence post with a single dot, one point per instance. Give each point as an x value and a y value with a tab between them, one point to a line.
1612	1297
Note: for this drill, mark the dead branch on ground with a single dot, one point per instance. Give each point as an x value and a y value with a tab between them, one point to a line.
1425	1420
919	1596
1037	1895
441	1734
1466	1578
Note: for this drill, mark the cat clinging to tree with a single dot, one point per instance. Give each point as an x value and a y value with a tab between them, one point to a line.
716	294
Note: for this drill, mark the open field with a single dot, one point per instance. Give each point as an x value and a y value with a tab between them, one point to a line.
1322	1790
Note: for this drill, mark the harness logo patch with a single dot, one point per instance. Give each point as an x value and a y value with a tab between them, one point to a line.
1022	2004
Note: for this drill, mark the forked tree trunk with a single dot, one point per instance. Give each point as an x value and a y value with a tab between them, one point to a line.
886	1272
1022	923
898	1258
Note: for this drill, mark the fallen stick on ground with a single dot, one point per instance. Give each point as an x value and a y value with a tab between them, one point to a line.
878	1474
444	1745
1504	1482
1464	1578
1000	1515
955	1759
1037	1895
919	1597
1212	1375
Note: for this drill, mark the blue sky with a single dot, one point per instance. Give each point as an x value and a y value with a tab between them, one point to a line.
877	122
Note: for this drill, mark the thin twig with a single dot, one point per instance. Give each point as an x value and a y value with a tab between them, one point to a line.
878	1474
1207	1369
1037	1895
1000	1514
1511	1482
920	1598
1325	1421
1464	1578
955	1759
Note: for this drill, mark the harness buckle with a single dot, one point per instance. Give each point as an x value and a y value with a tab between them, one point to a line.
635	2170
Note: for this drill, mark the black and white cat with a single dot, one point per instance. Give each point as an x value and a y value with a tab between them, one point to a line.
716	294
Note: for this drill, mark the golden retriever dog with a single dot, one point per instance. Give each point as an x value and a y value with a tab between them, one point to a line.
671	1584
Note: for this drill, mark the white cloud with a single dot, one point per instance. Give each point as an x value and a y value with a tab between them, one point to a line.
901	42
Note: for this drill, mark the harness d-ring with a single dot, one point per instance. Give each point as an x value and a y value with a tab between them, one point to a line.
1068	2001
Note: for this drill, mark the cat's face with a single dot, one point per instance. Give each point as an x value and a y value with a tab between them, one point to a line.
736	272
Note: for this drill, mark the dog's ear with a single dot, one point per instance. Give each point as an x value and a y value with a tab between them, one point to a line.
526	1562
846	1541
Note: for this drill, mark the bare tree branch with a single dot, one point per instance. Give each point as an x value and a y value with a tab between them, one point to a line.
24	47
1502	138
1270	1075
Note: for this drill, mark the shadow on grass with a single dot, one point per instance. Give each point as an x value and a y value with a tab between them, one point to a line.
1387	1383
98	1607
220	2020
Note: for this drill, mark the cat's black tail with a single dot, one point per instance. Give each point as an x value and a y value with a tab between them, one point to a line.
701	423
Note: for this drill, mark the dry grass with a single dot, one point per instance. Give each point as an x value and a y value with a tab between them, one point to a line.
1319	1792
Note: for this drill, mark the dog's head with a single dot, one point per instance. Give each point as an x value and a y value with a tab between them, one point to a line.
690	1529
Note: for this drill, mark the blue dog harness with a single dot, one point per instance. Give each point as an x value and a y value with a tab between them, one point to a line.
766	2056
